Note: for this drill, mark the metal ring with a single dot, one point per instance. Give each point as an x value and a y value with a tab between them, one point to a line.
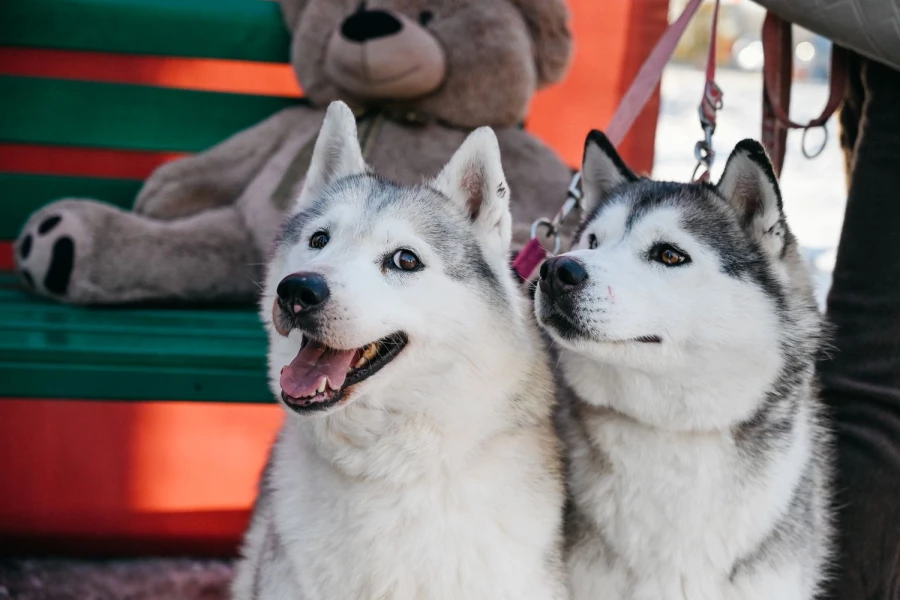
551	232
824	129
701	151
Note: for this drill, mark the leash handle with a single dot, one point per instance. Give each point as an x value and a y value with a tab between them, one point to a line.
777	78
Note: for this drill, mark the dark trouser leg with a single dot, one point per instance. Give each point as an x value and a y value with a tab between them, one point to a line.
861	380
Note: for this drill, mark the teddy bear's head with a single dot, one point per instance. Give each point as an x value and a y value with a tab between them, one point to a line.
464	62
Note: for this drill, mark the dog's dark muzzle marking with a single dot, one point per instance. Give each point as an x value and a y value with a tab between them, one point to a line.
561	275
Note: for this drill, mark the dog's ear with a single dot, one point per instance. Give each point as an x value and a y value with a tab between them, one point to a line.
602	171
749	184
474	180
336	154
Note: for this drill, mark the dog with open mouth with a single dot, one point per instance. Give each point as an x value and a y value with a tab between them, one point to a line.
687	332
418	458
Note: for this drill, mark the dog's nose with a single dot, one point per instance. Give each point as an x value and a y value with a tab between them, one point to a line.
365	25
302	292
561	274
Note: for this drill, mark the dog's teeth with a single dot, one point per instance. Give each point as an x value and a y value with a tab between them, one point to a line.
367	355
322	386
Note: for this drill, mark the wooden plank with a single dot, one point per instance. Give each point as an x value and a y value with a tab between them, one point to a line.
50	350
213	75
108	115
81	162
230	29
24	194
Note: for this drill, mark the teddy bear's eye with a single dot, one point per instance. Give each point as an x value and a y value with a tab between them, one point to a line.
425	17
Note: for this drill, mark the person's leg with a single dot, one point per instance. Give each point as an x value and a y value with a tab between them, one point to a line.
861	375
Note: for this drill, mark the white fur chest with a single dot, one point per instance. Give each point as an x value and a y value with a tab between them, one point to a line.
483	536
677	510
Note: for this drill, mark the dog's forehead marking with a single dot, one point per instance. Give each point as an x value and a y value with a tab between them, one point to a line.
699	212
372	202
609	223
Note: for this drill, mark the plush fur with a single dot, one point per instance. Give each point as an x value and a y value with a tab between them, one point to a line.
687	333
202	225
439	475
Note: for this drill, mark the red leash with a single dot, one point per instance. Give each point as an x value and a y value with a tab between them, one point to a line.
631	105
710	104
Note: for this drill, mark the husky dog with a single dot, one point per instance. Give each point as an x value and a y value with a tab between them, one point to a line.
418	458
687	332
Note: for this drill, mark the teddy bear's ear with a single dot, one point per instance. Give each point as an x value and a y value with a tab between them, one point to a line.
548	23
291	10
336	155
474	180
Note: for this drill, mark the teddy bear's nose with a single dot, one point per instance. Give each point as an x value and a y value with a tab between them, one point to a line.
365	25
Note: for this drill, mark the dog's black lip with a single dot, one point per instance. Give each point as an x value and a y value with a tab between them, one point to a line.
390	347
312	407
554	318
565	326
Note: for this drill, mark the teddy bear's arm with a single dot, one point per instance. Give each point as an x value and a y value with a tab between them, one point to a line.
216	177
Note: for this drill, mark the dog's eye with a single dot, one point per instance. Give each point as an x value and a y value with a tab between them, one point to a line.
405	260
318	240
425	17
592	241
669	255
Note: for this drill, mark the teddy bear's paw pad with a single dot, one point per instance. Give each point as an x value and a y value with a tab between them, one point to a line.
46	257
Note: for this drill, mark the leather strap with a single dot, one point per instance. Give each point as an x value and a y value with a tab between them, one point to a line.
777	77
641	89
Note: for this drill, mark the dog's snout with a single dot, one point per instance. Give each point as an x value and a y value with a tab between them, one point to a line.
365	25
561	274
302	292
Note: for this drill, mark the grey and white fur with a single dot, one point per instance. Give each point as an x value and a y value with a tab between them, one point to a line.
687	332
430	469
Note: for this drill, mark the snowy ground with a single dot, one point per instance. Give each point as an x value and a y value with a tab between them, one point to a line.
814	190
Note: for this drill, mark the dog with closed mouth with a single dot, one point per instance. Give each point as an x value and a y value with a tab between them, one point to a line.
687	331
418	458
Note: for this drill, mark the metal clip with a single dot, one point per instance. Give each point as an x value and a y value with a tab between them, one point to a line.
704	154
703	150
573	199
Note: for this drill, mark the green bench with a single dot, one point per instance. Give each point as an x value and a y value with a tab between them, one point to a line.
49	350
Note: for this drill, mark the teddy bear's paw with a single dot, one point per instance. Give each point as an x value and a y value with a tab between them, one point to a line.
47	250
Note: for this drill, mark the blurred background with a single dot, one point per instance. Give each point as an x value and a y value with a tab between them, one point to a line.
814	190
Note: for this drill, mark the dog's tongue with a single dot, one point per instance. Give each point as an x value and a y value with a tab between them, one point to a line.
301	377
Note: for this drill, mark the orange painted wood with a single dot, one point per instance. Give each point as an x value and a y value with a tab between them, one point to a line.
75	468
85	162
612	39
238	76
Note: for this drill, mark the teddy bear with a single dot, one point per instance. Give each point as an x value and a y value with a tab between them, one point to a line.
420	75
